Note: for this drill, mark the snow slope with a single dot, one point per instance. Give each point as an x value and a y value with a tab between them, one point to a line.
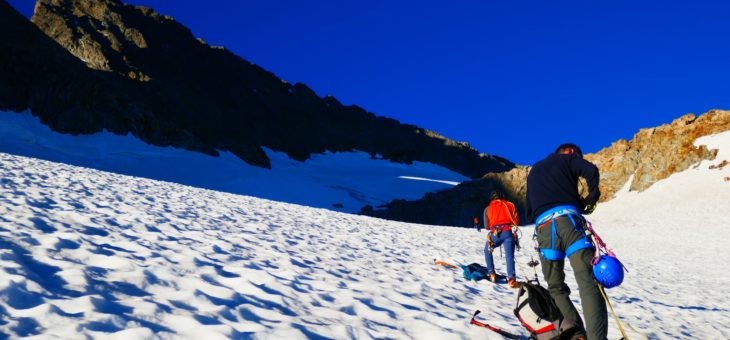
95	253
674	239
91	253
344	181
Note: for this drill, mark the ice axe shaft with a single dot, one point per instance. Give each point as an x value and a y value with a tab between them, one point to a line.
492	328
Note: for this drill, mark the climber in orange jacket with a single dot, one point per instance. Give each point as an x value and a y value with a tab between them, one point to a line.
500	217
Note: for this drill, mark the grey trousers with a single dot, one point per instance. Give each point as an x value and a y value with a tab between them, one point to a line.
594	308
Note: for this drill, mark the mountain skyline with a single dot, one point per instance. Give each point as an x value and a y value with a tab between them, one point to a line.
114	70
84	67
473	75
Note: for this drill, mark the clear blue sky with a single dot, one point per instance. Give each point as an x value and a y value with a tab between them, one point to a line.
513	78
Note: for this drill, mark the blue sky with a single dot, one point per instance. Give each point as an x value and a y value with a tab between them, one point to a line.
513	78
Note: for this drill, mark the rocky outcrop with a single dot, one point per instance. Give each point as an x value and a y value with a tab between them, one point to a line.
457	206
102	33
652	155
37	73
87	66
656	153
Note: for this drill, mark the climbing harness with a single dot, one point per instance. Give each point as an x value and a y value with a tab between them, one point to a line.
549	217
513	227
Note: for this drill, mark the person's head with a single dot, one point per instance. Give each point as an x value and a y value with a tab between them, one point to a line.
569	149
496	194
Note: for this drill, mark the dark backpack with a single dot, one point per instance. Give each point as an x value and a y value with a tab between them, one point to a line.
537	312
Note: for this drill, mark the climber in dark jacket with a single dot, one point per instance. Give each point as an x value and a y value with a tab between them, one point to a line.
554	181
555	205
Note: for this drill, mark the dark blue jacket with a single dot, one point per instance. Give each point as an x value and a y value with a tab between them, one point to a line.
553	181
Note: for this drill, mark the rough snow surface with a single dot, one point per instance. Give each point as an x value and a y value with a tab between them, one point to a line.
86	253
344	181
92	253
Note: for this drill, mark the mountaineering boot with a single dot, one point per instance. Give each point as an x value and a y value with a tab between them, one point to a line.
492	277
574	333
513	283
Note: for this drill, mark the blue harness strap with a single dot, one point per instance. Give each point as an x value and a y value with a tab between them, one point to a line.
551	215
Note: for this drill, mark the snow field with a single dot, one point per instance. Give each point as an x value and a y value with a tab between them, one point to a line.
90	253
673	237
86	253
343	181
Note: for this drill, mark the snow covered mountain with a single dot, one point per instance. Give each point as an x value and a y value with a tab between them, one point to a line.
344	181
86	67
122	88
91	253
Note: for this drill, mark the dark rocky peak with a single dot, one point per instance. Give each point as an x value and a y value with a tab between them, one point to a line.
93	31
148	75
138	42
107	35
38	74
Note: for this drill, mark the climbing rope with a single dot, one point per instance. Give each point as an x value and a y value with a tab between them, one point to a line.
615	317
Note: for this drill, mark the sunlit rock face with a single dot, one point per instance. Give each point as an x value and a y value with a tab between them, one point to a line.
652	155
656	153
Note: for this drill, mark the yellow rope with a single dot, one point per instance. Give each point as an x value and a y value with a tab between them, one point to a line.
620	328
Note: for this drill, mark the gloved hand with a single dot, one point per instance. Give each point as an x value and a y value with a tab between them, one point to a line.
589	208
490	242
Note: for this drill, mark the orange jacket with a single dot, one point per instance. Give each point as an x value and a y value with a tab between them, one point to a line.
500	212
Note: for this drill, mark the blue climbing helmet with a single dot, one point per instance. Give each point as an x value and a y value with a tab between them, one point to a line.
608	271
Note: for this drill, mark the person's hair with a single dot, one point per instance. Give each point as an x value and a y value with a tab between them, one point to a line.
570	146
496	193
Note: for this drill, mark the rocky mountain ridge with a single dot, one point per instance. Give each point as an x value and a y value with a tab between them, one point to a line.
651	155
87	66
657	153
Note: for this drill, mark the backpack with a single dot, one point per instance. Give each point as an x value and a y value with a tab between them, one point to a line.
475	271
537	312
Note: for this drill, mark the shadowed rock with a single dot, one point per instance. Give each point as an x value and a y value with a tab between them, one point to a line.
88	66
453	207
